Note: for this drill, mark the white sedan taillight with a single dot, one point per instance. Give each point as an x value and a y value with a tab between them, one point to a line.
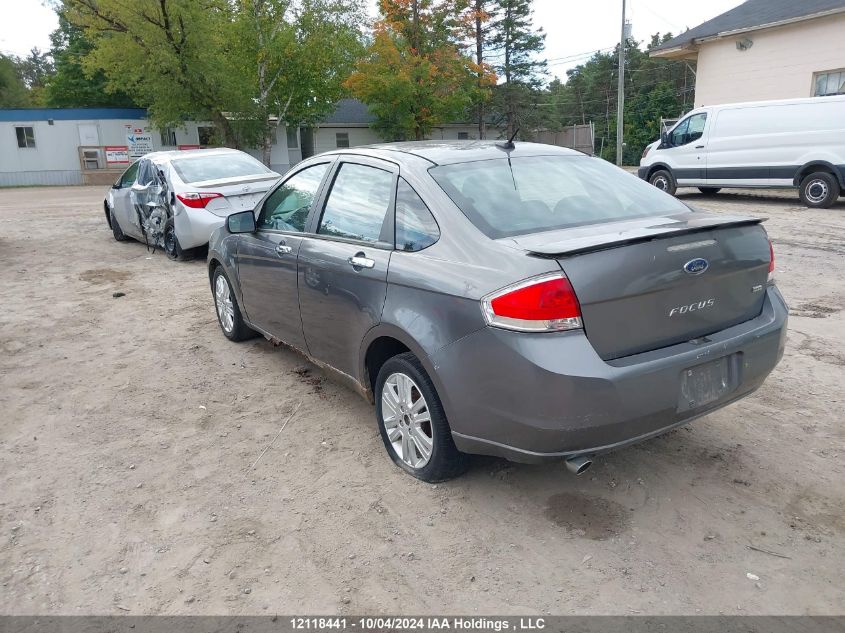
542	304
197	200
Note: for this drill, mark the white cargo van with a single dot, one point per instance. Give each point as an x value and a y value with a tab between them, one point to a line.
789	143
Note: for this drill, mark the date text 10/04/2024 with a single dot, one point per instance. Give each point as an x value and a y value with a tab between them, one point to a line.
417	623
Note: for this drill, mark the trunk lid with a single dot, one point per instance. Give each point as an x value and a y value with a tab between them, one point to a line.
239	194
649	283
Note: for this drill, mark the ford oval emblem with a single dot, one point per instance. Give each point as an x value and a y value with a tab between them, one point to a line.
696	266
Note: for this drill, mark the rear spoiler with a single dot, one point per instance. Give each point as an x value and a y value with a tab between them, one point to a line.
586	243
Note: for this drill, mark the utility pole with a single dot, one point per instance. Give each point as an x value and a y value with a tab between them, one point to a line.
620	100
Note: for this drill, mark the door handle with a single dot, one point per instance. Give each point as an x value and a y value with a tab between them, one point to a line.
699	147
361	261
283	249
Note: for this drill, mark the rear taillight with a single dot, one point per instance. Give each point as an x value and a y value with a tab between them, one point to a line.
771	263
542	304
197	200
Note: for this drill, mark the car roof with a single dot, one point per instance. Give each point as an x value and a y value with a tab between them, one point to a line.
451	152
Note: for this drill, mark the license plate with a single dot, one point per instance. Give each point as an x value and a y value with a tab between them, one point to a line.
707	383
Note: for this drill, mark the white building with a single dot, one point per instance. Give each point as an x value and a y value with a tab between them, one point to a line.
766	49
74	146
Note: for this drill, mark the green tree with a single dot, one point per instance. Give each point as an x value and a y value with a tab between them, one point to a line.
415	75
654	88
168	55
70	86
514	49
296	56
13	90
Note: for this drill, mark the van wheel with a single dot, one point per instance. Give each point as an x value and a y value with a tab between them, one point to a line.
412	422
709	191
819	190
663	180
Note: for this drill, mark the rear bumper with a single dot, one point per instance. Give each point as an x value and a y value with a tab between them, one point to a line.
195	226
532	397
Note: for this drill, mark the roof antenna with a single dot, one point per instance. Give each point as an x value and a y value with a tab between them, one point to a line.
509	145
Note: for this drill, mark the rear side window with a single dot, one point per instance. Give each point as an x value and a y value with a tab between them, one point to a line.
286	209
358	203
542	193
416	228
218	167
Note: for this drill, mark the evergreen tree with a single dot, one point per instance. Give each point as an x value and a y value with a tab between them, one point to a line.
515	50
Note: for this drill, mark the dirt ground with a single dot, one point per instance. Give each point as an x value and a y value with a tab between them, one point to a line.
130	428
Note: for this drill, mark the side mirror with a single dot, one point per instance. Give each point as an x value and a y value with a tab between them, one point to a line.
664	138
243	222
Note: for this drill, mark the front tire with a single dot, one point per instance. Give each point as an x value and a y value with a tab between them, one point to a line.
412	422
228	312
709	191
663	180
115	228
819	190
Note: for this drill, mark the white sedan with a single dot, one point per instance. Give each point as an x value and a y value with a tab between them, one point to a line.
175	200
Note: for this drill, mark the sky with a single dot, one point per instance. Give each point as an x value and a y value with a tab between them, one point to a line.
574	28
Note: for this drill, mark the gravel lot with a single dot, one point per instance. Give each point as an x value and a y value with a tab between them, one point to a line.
130	427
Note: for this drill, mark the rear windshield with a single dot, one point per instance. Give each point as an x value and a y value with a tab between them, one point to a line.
505	197
218	167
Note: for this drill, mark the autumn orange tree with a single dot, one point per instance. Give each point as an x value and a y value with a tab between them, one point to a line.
415	74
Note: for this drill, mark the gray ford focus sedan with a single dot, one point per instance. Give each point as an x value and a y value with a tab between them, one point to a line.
519	300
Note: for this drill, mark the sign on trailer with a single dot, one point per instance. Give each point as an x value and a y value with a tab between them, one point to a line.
139	144
117	155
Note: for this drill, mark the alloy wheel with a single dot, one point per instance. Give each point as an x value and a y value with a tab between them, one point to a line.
225	306
407	420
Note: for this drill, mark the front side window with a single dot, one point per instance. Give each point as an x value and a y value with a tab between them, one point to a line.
358	203
128	177
26	136
286	209
544	193
829	83
416	228
689	130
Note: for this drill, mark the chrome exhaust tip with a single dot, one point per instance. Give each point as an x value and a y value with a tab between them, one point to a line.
579	464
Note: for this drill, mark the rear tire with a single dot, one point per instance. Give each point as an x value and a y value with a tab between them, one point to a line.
663	180
115	228
172	248
416	434
709	191
228	312
819	190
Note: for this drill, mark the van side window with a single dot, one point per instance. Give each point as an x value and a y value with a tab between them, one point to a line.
689	130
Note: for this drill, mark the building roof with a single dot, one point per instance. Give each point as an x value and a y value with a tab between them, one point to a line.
751	15
349	111
66	114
